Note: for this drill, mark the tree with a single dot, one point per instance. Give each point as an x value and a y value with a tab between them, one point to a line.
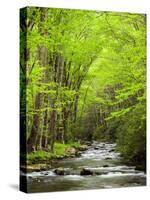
85	76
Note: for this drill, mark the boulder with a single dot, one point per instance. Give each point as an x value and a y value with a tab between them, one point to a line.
61	171
86	172
71	151
83	147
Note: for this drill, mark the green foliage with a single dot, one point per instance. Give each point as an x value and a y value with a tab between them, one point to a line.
131	138
39	156
118	113
85	74
60	150
114	105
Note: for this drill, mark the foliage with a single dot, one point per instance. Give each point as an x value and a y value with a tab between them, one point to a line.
60	150
83	76
132	142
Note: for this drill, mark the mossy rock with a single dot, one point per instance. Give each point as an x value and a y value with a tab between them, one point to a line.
35	167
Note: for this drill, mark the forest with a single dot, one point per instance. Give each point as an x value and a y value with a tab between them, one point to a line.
82	78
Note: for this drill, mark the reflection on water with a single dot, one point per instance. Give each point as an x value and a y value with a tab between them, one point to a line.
100	158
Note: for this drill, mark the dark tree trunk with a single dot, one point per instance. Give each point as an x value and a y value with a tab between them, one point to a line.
31	142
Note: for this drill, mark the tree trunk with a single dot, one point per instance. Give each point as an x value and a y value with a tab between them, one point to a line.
31	142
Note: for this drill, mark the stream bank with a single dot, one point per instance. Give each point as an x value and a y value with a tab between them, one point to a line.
100	166
44	160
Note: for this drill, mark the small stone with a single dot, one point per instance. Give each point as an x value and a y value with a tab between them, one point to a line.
112	150
105	165
86	172
108	158
96	148
88	143
46	173
78	153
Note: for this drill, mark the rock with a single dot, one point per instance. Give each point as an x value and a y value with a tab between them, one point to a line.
78	153
108	158
112	150
44	173
35	167
83	147
61	171
86	172
71	151
96	148
102	146
88	143
105	165
100	173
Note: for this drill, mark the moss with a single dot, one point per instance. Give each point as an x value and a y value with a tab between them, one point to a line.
60	151
39	156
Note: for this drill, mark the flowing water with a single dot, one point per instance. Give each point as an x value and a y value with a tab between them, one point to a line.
100	158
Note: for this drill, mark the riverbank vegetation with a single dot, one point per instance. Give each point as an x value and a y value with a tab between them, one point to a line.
60	151
83	78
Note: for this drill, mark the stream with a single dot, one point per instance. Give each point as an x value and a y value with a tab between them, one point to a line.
100	158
